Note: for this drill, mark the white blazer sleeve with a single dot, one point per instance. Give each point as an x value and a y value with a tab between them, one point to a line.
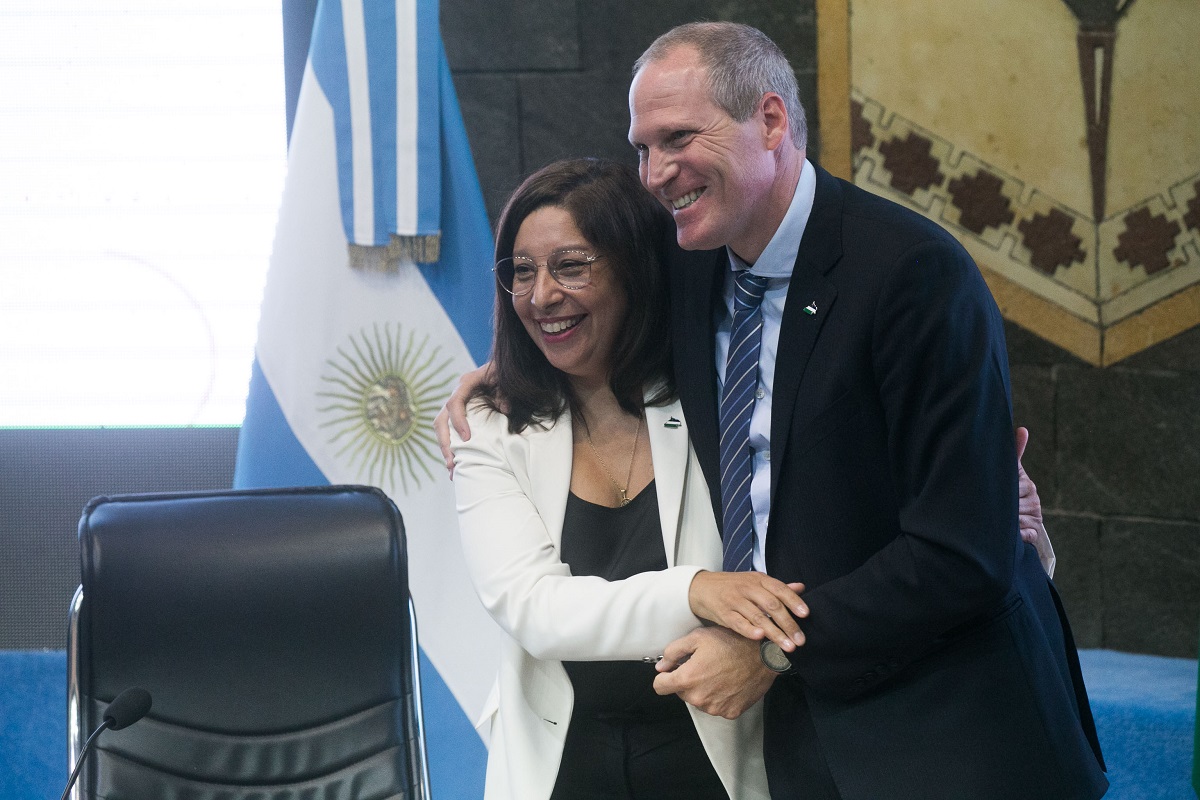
519	576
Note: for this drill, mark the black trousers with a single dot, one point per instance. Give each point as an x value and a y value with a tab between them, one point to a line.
610	758
798	770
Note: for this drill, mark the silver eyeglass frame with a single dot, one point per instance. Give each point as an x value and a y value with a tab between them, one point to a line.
587	257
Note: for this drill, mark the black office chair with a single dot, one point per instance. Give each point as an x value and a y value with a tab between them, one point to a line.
275	633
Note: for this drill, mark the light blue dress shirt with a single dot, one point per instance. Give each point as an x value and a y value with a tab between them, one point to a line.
775	263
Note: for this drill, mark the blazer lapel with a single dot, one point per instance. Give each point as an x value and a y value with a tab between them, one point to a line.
810	301
696	286
669	449
550	455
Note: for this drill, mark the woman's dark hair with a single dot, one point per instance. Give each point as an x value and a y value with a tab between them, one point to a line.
628	227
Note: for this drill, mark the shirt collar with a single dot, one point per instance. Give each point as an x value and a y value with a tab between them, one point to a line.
779	257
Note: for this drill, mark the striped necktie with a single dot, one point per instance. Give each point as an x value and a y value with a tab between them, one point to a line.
737	406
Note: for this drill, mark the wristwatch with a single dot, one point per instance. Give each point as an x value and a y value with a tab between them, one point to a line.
773	657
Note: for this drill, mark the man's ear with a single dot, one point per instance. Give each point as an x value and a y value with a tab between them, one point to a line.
776	126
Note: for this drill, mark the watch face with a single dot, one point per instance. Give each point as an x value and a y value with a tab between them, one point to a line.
773	656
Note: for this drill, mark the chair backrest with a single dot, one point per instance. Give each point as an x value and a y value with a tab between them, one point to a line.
274	631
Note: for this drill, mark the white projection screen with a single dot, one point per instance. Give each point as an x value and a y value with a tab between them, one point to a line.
142	155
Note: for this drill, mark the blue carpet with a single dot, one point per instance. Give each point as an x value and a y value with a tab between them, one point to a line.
1145	709
33	724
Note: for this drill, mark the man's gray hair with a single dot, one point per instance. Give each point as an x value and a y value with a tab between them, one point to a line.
742	63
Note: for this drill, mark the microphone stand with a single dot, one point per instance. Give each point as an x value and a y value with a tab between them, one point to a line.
126	708
103	726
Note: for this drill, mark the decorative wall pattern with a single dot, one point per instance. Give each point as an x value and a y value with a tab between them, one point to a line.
1101	274
1058	140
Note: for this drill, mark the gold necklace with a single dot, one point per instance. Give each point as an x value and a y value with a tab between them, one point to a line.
622	491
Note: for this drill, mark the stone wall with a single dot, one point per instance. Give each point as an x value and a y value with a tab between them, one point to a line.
546	79
1116	456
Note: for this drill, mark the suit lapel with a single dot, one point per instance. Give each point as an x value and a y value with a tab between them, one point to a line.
550	455
696	285
810	301
669	449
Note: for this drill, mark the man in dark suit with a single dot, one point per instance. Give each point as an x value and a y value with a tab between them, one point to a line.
935	659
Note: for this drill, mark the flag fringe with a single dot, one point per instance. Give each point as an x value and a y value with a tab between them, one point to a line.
424	249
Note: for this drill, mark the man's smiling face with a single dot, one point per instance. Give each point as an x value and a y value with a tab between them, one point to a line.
713	173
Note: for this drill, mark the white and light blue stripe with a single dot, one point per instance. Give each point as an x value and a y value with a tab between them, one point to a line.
377	63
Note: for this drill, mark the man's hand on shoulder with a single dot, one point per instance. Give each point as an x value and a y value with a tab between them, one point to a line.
714	670
454	412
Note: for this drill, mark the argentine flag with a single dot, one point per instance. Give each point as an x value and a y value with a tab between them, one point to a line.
378	297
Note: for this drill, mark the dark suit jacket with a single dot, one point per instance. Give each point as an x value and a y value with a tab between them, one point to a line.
938	662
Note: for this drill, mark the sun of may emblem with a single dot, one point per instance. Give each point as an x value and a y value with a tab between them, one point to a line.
384	388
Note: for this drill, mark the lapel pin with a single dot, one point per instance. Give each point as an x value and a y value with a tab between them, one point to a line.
811	308
672	423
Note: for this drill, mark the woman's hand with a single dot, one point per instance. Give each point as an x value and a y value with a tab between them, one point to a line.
751	604
1029	508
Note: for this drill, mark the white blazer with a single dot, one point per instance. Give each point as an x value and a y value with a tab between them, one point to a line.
512	495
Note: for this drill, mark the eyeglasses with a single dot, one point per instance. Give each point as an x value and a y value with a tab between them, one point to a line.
571	269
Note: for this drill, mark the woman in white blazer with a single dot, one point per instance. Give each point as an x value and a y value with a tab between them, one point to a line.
556	496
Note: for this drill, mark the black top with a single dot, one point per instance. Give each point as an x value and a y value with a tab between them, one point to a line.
615	543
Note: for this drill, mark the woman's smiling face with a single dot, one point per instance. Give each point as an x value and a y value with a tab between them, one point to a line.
574	328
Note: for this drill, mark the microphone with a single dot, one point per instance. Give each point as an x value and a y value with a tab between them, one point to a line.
125	709
128	707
